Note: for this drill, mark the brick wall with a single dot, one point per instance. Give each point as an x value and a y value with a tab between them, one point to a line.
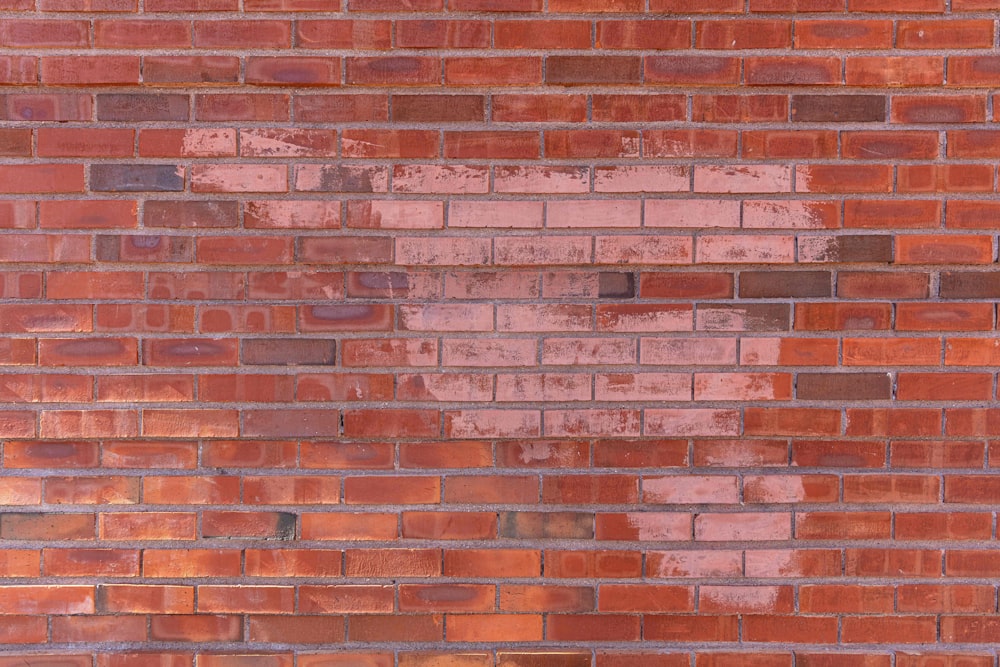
569	333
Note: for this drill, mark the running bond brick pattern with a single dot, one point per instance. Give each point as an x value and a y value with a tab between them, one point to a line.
527	333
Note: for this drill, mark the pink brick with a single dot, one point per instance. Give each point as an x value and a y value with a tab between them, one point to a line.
487	353
692	422
687	213
612	422
492	423
745	599
642	387
654	250
239	178
683	351
219	142
555	317
542	250
542	180
694	563
593	213
743	526
288	143
455	251
727	249
653	178
446	317
557	387
746	179
742	386
395	214
690	489
448	387
588	351
496	214
448	179
645	318
791	214
302	214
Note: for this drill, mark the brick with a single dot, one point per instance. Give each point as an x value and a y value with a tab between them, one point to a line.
799	143
739	108
225	34
229	107
149	599
938	109
446	179
687	213
56	142
893	145
690	70
777	284
648	33
41	178
954	178
89	70
438	108
142	107
42	33
843	34
846	249
514	107
173	70
689	143
88	214
137	178
187	214
791	70
920	249
882	71
839	108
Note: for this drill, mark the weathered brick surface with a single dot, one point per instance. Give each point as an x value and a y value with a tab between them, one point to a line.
499	333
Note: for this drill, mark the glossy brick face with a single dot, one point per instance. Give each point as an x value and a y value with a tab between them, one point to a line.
499	333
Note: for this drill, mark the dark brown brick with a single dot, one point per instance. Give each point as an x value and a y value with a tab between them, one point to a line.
289	351
612	285
843	386
136	178
438	108
570	70
838	108
187	214
547	525
970	285
777	284
140	107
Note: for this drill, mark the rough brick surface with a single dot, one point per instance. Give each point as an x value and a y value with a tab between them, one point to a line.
499	333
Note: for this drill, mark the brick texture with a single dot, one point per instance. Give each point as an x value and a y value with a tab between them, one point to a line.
499	333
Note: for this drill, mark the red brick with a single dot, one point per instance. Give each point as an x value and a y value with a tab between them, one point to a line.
343	34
